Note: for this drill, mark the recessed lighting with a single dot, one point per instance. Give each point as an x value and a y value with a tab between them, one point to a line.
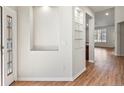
77	8
45	8
106	14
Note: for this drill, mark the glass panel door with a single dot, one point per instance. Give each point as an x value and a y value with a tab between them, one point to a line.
9	46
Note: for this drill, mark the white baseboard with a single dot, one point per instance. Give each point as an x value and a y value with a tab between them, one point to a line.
92	61
44	79
118	54
78	74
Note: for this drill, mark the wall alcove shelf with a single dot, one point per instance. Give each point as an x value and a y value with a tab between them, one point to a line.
45	33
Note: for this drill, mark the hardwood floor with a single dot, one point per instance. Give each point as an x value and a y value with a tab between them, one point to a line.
107	70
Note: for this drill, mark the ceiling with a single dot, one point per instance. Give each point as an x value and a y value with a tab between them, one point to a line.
99	8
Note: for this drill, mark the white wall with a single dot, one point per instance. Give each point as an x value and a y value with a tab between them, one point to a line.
119	17
102	20
45	65
13	7
50	65
46	23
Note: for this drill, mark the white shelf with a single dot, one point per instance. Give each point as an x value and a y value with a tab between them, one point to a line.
78	31
78	39
78	23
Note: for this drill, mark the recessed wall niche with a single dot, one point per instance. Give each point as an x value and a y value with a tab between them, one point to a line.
46	26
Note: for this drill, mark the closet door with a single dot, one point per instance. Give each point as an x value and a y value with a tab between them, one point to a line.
9	46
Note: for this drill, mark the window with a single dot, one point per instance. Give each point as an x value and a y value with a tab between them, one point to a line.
100	35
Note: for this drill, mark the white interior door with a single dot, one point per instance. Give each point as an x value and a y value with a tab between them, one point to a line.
9	46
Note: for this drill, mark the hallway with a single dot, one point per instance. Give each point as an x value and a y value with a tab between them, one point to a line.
107	70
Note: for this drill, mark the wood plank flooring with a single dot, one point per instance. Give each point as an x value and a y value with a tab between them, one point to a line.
107	70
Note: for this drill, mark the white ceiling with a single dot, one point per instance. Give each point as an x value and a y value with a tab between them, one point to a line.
99	8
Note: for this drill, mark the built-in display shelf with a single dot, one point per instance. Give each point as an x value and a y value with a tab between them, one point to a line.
78	30
78	38
78	23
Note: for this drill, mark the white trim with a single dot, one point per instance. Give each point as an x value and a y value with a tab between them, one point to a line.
45	79
91	61
121	55
78	74
118	54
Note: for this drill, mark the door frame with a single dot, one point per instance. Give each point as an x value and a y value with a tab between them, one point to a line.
91	40
91	37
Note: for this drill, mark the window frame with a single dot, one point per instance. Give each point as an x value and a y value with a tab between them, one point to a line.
99	35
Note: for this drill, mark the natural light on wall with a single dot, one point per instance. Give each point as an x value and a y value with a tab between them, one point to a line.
45	8
45	28
106	13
